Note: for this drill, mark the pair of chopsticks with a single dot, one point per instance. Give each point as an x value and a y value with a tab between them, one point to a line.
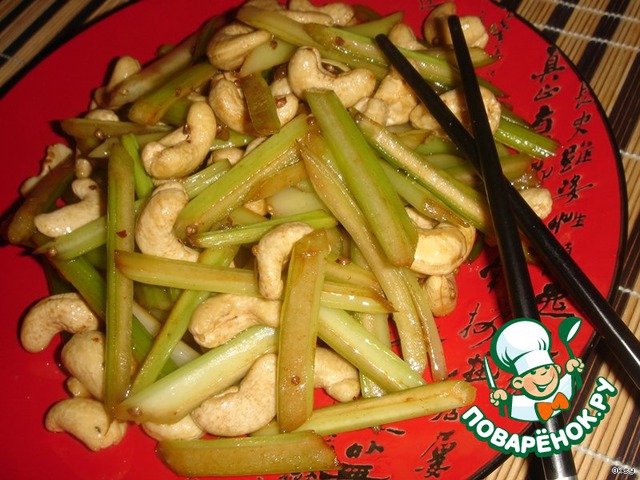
509	210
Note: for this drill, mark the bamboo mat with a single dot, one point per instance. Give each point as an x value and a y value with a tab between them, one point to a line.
601	37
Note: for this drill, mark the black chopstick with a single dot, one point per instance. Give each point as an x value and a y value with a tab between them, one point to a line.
595	308
514	264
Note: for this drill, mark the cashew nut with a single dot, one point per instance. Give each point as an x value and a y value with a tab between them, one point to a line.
184	429
539	199
436	30
84	167
421	118
125	67
232	154
73	215
222	316
227	101
154	227
83	357
56	154
398	96
442	293
62	312
184	149
230	45
308	17
440	250
286	102
243	409
272	252
374	108
76	388
102	114
341	13
306	71
335	375
403	36
87	420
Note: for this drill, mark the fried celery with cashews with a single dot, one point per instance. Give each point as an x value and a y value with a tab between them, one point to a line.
214	125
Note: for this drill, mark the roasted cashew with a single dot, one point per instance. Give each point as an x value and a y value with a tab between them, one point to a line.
227	101
402	35
398	96
154	226
84	167
184	149
87	420
308	17
272	252
184	429
374	108
232	154
230	45
73	215
83	357
56	154
440	250
102	114
76	388
243	409
306	72
442	293
62	312
222	316
421	118
539	199
436	30
286	102
335	375
341	13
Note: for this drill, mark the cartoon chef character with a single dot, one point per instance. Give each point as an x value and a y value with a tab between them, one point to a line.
522	348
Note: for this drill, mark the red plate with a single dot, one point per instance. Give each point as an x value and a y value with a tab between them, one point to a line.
585	180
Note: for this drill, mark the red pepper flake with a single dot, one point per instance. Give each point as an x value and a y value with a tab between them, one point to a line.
122	234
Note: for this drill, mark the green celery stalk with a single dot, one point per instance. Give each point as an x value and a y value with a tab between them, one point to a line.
371	188
142	180
298	330
198	181
215	202
375	27
330	187
175	395
365	351
42	198
260	103
525	140
177	323
468	203
266	56
120	236
150	108
275	454
89	128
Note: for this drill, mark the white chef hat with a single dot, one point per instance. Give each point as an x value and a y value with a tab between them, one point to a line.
521	345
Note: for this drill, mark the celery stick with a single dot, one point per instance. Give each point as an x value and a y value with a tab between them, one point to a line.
266	56
419	197
365	351
158	71
149	109
394	407
172	397
216	201
274	454
525	140
198	181
462	199
89	128
287	177
371	188
120	236
377	26
103	150
378	325
344	271
260	103
293	32
298	330
331	189
143	183
42	198
177	323
247	234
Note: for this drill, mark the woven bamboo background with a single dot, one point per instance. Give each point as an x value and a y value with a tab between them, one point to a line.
601	37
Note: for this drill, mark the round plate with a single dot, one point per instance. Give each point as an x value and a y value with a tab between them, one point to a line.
585	180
